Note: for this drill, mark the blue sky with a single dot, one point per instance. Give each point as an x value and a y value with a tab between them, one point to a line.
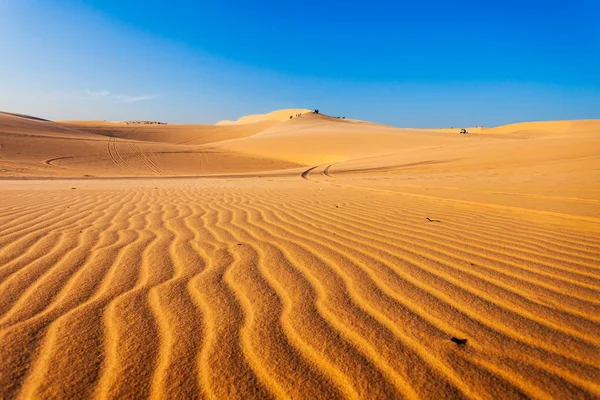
404	63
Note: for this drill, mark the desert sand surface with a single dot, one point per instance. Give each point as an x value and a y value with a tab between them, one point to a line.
314	258
278	116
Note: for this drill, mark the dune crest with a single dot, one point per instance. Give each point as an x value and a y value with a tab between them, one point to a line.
278	115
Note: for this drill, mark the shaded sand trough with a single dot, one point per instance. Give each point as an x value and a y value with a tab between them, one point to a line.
295	260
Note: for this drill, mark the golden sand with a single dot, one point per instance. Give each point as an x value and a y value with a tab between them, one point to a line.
304	258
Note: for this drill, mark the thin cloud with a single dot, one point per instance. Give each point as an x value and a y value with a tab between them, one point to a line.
88	94
131	99
106	95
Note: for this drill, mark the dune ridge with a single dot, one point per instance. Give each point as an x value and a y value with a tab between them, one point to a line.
278	115
304	258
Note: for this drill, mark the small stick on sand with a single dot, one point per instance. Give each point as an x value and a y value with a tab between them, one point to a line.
432	220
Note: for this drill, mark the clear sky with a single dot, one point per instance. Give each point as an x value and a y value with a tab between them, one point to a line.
406	63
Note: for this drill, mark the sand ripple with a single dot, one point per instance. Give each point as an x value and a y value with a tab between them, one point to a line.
206	289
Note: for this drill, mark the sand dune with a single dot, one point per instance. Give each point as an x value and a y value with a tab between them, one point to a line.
31	148
279	115
307	258
317	139
171	133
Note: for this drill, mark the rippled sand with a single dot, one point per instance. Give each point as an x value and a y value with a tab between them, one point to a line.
294	276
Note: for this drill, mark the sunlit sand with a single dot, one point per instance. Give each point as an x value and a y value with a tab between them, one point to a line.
313	257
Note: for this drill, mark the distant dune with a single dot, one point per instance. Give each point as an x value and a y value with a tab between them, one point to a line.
311	257
24	116
279	115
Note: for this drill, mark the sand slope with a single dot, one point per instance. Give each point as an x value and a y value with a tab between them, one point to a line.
343	278
170	133
279	115
30	148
